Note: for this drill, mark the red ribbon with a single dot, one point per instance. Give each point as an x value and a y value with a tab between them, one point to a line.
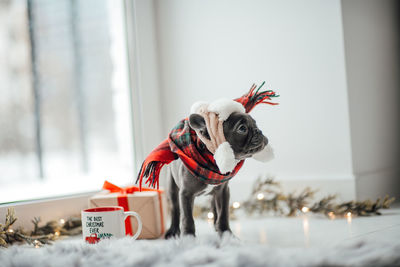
123	201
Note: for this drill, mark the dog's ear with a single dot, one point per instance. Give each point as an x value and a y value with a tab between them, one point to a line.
197	122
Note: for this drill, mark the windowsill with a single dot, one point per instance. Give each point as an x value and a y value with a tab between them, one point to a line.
52	199
47	209
54	206
56	188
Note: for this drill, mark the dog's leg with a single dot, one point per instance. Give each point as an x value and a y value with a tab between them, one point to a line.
214	210
186	200
221	195
173	194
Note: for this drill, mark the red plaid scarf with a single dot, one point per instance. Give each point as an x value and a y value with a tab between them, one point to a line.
183	143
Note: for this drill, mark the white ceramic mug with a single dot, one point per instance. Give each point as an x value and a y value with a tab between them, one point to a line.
106	222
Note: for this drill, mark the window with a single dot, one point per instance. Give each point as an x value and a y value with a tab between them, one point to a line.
65	113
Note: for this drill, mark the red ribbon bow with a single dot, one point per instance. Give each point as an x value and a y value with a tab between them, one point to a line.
123	201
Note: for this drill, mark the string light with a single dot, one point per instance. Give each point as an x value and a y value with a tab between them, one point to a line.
210	215
260	196
10	231
62	221
348	214
236	205
37	243
331	215
305	209
57	233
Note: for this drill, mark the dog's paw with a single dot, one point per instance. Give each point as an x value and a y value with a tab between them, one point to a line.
172	232
227	237
224	232
189	233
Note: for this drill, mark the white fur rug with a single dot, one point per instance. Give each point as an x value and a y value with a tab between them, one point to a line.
205	250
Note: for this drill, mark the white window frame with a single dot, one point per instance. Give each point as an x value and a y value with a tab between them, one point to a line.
62	207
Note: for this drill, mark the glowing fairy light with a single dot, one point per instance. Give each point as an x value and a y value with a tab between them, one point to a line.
36	243
10	231
305	209
210	215
236	205
260	196
62	221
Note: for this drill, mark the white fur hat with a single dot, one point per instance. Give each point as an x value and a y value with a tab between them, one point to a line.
224	155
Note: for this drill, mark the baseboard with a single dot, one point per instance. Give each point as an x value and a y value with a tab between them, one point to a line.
341	185
379	183
344	189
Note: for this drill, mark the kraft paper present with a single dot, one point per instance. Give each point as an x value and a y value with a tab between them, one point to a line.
146	203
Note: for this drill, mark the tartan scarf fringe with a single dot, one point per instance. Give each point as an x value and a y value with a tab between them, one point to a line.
152	171
255	97
152	165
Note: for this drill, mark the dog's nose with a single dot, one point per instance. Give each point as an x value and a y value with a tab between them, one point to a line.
257	137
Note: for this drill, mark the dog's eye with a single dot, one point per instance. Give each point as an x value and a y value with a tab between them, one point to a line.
242	129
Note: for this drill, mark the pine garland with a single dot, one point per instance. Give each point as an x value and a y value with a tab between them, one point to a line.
267	197
41	235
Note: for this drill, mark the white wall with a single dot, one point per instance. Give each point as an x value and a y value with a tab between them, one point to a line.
209	49
371	34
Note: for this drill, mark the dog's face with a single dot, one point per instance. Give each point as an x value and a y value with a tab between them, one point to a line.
240	131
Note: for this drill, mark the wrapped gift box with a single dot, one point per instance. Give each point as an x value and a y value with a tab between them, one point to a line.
150	204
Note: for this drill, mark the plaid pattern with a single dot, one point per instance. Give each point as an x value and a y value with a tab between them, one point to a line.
183	143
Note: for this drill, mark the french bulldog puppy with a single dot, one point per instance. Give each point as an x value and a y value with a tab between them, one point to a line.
242	133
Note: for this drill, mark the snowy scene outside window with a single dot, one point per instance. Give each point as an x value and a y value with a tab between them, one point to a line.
65	120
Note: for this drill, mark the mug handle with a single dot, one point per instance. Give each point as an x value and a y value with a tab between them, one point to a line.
134	214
